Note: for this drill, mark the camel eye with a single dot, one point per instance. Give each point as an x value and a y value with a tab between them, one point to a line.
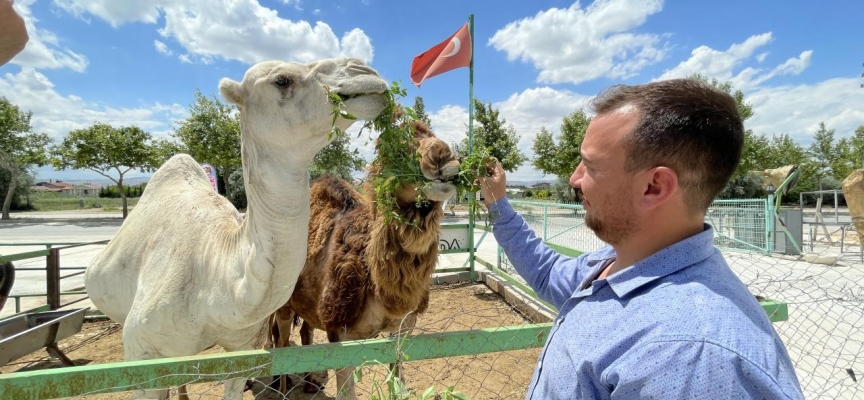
282	81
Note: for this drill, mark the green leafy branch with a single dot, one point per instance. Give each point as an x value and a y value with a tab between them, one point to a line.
397	162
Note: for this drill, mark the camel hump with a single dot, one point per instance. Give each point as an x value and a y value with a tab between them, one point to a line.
332	192
179	168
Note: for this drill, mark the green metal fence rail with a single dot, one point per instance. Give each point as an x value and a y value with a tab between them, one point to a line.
160	373
740	225
52	269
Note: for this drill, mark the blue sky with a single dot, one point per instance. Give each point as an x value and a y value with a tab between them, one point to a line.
139	62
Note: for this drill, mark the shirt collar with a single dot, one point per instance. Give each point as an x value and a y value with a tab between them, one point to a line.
664	262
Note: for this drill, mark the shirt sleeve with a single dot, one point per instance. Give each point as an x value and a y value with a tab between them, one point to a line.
553	276
690	369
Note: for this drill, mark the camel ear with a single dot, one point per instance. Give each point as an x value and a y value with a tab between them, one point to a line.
232	91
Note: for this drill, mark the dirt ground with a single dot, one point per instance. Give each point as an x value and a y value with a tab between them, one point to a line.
503	375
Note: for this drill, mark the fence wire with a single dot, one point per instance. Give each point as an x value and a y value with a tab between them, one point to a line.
454	307
823	286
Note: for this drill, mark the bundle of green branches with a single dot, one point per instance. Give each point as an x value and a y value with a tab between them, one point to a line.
397	161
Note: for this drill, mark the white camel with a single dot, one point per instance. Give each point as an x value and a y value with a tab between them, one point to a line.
185	271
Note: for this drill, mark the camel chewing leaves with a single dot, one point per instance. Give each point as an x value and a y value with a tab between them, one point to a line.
397	159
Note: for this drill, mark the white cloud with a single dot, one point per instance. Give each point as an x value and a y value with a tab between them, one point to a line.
240	30
162	48
527	112
722	65
798	109
44	49
57	114
578	45
295	3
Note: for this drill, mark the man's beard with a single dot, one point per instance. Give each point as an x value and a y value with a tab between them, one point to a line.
613	229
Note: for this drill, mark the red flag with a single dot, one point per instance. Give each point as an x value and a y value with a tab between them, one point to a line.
455	52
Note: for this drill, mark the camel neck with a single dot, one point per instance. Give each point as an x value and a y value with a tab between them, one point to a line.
276	221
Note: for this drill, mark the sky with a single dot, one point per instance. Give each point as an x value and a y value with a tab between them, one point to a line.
139	62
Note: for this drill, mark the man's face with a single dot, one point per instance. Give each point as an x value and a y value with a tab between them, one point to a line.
608	193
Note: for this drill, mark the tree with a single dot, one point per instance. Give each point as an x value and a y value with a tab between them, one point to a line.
211	135
337	159
420	111
492	133
104	149
822	152
21	196
561	158
19	147
857	143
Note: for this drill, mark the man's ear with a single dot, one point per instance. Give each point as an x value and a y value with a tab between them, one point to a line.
232	91
661	186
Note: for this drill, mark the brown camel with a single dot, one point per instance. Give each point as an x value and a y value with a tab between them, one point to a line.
7	278
364	276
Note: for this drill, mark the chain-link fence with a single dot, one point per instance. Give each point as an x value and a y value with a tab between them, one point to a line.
470	342
474	342
823	287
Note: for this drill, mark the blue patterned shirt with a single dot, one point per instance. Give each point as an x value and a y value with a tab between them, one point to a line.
676	325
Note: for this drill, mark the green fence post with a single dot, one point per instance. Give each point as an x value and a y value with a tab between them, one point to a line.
545	222
769	221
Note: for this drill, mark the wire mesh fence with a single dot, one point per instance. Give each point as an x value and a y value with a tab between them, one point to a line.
823	287
478	367
824	333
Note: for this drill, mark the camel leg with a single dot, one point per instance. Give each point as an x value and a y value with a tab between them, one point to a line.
135	350
344	376
280	330
311	384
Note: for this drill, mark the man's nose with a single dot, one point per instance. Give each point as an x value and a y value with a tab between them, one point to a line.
576	178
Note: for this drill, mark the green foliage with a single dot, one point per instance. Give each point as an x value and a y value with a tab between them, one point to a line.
210	135
237	192
397	162
563	192
822	151
106	150
113	192
21	192
492	133
19	148
420	111
542	194
561	158
743	187
337	159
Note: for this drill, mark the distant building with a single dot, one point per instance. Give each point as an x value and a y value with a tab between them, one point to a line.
81	190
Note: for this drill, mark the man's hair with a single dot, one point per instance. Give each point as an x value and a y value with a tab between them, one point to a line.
685	124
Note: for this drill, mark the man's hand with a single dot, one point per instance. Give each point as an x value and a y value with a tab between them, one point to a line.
13	35
493	186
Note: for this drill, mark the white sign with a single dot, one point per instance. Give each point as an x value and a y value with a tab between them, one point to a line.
453	238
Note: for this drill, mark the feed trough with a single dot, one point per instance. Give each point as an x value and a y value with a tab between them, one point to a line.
29	332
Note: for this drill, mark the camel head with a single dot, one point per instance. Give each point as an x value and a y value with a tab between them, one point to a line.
438	164
286	104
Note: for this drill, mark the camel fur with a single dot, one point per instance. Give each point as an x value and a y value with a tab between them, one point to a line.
364	276
185	271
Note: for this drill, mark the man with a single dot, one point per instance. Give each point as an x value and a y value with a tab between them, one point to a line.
658	313
13	35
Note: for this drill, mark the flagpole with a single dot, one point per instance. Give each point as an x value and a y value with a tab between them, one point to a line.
472	202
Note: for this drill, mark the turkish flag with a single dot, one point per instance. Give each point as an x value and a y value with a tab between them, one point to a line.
455	52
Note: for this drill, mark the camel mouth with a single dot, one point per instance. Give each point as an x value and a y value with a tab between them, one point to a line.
439	191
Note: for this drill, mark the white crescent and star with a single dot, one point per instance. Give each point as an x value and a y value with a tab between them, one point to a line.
456	45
